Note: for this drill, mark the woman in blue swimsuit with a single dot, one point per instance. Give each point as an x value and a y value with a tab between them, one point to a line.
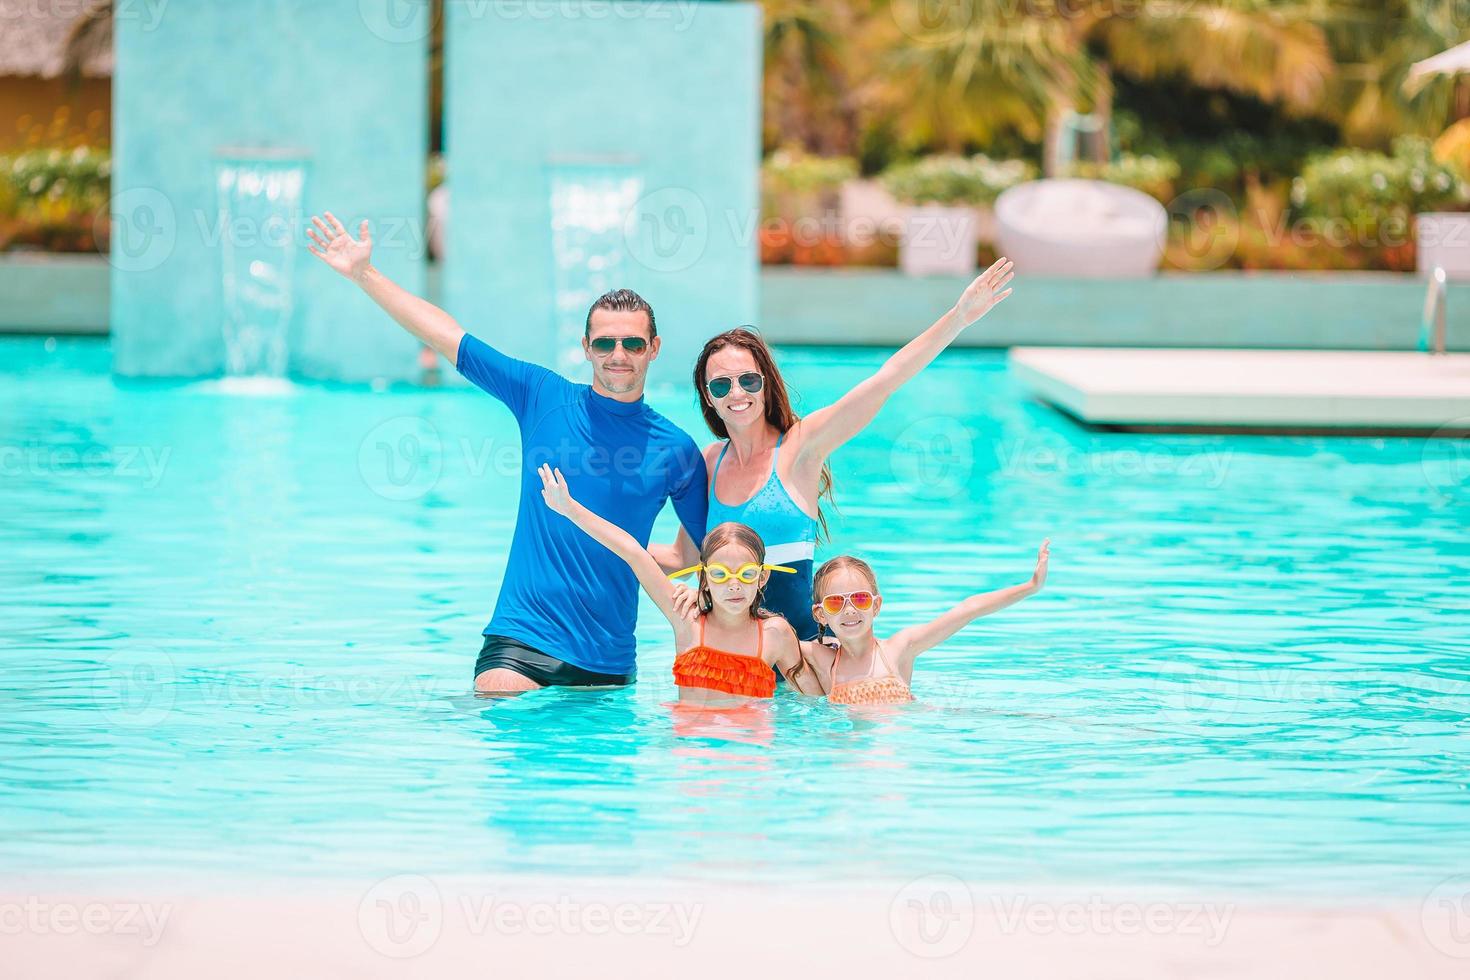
769	468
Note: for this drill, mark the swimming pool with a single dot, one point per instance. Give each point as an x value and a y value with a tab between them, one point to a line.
239	630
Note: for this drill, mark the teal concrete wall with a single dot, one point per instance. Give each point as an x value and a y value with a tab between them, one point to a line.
1370	311
663	94
343	81
44	293
877	307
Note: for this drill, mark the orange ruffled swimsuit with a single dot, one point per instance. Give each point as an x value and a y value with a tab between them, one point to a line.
870	690
720	670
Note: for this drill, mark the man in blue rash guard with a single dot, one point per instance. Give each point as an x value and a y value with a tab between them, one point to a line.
567	605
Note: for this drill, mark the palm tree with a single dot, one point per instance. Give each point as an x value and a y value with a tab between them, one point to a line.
89	35
807	97
1006	65
1375	42
1275	50
991	69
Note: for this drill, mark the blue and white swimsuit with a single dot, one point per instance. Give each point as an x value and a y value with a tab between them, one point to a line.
791	539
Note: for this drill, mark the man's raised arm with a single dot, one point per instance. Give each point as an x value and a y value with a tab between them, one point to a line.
352	257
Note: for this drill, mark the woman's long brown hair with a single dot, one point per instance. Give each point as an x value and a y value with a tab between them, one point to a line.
779	412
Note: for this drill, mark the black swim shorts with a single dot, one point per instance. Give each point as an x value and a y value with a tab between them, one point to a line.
544	669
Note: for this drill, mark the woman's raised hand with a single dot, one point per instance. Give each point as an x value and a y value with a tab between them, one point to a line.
340	250
1038	577
985	292
554	489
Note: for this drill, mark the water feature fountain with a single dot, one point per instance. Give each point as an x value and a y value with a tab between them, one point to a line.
259	194
588	207
213	179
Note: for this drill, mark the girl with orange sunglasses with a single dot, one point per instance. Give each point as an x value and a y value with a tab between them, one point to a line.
731	649
861	669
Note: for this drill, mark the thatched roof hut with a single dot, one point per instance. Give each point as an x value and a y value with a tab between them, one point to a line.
41	40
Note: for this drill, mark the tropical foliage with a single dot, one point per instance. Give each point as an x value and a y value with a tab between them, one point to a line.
1250	100
54	199
1375	193
954	180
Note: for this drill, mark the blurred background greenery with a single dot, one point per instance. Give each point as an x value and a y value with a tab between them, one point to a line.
1291	111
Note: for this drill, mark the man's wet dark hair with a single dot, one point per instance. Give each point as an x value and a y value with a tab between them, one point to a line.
621	301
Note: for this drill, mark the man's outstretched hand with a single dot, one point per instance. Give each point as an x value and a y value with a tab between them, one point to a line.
340	250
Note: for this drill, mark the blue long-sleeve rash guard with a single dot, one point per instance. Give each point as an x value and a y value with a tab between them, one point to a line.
564	593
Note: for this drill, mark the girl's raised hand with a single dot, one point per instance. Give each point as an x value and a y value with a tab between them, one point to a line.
1038	577
554	489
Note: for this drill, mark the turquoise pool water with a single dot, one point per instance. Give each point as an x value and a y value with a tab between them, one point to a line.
238	633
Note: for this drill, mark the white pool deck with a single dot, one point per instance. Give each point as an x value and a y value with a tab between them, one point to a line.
1252	389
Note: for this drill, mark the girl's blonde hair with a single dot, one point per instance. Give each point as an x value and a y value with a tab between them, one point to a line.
833	565
732	532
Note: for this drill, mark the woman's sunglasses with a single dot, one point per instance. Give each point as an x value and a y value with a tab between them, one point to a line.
606	345
749	381
861	601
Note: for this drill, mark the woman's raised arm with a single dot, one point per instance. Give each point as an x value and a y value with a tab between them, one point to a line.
823	431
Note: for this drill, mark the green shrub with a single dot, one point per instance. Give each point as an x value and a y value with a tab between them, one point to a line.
53	198
794	172
1371	190
1154	175
954	180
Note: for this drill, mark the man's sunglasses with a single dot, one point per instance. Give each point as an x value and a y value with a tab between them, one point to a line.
606	345
861	601
720	387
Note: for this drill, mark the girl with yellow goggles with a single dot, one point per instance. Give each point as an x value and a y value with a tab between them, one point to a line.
719	574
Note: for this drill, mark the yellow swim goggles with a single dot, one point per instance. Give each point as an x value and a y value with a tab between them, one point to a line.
749	573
